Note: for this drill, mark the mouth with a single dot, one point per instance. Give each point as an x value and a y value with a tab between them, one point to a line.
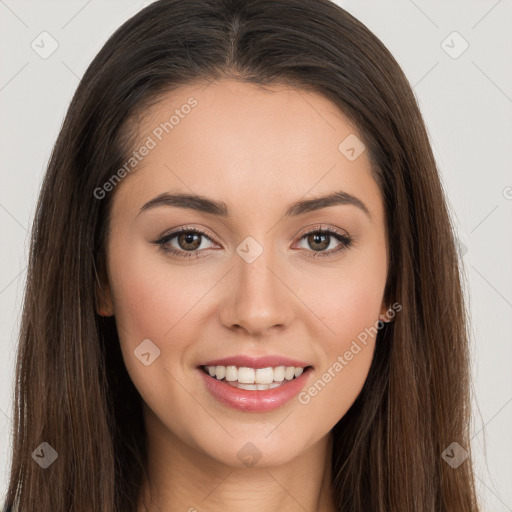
255	379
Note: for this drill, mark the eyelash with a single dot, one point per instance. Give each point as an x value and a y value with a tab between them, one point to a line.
343	238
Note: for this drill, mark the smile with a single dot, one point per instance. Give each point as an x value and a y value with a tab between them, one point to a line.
254	389
258	379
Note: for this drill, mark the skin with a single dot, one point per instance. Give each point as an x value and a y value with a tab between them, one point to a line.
258	151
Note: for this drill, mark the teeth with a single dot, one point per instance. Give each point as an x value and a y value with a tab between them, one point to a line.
255	387
246	376
220	372
279	374
251	378
231	373
264	376
289	373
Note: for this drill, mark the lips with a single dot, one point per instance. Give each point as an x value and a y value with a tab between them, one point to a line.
254	400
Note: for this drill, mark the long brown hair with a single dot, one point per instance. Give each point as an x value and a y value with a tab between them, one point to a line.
72	388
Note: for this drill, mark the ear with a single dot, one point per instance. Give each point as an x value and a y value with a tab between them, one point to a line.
384	313
104	303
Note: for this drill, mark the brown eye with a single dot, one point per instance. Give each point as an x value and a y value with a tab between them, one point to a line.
318	241
189	241
187	244
321	239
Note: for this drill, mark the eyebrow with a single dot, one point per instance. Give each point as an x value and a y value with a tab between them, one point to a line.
220	209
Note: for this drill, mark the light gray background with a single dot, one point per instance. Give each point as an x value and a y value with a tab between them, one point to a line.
467	106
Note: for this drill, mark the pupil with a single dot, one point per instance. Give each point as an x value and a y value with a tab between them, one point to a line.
316	240
188	238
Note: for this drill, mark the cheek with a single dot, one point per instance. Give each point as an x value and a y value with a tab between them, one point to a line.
346	355
150	299
142	305
147	306
152	303
348	307
348	299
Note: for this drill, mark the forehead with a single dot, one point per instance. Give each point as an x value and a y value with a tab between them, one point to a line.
247	146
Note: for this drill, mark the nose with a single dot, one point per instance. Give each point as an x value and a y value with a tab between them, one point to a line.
258	299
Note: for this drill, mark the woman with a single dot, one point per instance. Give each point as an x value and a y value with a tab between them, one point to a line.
243	283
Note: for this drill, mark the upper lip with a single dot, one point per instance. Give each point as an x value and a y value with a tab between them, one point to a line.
256	362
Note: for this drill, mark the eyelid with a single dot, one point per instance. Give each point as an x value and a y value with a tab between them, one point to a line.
344	239
313	228
180	229
303	231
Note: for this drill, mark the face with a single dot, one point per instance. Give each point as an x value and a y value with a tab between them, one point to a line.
304	285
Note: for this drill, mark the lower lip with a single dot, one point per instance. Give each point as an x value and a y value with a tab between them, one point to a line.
254	400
